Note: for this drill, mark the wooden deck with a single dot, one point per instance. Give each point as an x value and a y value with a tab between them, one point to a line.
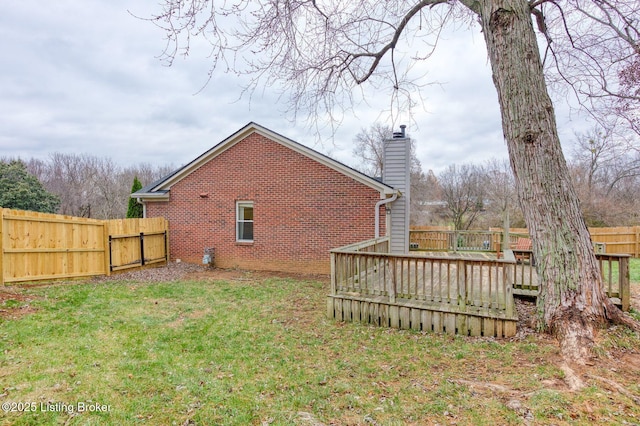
456	293
466	294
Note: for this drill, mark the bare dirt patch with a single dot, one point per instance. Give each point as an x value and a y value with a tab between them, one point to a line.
216	274
14	303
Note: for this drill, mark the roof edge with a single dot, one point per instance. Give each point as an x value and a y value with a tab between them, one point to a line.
163	185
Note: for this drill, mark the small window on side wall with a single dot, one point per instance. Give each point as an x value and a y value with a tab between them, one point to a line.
244	221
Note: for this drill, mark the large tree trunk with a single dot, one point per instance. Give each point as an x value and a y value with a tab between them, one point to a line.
572	303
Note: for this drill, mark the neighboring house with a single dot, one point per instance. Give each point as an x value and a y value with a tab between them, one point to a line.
265	202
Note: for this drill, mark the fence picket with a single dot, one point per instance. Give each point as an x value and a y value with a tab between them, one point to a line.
616	240
42	246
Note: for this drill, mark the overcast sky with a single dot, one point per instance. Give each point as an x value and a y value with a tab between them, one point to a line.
84	77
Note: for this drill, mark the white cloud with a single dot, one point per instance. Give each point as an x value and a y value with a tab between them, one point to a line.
84	77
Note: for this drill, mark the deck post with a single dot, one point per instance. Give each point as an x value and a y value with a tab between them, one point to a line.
507	281
624	283
462	284
392	281
333	274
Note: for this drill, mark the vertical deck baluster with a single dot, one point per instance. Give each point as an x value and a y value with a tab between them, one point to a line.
491	289
364	263
403	291
461	287
416	279
394	281
475	286
610	284
432	268
444	278
424	282
349	259
449	282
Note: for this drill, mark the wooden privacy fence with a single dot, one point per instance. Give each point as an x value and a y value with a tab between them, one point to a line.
137	242
42	246
618	240
445	240
452	294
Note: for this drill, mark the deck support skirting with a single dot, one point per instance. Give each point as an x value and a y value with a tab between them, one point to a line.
384	313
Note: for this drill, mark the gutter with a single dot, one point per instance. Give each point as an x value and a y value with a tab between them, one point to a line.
380	203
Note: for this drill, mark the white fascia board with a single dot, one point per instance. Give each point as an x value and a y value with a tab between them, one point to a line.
153	196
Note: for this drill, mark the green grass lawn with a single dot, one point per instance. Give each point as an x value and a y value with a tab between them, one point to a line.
261	352
634	270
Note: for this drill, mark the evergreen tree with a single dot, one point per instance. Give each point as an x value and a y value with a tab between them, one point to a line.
21	190
135	208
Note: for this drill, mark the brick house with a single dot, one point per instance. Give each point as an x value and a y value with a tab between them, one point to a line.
265	202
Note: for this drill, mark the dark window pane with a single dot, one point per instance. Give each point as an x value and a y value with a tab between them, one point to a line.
245	231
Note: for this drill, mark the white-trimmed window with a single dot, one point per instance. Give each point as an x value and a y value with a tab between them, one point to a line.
244	221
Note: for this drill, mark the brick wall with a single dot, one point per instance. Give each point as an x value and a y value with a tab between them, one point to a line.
302	209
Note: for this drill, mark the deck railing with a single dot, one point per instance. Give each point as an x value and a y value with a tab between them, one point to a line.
453	284
614	269
366	269
615	274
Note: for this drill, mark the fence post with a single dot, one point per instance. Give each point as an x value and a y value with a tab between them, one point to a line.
107	247
142	249
110	254
167	240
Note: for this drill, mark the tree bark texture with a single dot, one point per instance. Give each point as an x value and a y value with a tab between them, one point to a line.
572	303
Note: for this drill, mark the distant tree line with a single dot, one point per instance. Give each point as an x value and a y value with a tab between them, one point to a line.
604	167
75	184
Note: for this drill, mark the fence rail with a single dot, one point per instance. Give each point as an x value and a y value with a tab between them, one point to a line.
41	246
456	240
618	240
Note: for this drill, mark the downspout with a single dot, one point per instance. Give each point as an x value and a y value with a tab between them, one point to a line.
144	206
380	203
